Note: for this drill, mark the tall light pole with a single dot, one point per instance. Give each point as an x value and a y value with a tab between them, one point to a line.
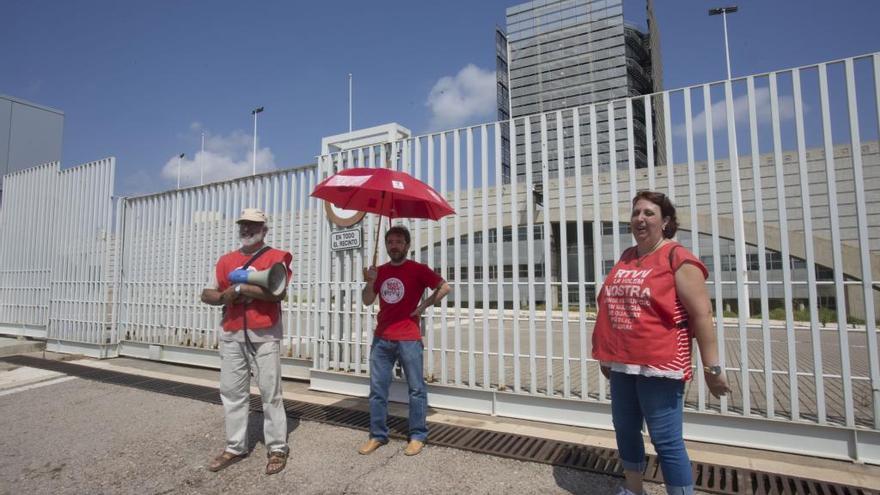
254	112
738	223
202	162
179	157
349	102
723	11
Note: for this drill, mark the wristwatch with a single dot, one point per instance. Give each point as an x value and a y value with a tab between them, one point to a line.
713	370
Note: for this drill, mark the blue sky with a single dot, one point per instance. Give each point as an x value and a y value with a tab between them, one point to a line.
142	80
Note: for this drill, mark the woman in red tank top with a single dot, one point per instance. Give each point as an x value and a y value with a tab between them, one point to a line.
653	302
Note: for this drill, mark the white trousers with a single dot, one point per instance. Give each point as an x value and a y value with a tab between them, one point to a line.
236	361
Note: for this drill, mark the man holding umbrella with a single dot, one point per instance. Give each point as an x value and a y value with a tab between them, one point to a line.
399	285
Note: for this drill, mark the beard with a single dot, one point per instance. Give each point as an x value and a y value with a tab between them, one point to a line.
249	241
397	256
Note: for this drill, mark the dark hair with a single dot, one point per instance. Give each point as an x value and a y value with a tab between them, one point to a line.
667	209
400	230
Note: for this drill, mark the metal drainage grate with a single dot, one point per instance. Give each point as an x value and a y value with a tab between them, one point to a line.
707	477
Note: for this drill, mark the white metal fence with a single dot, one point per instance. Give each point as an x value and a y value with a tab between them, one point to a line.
55	276
790	235
174	239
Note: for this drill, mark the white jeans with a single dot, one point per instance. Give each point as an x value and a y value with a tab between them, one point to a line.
236	360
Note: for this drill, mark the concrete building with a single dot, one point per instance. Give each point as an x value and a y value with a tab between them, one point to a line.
567	53
30	135
692	227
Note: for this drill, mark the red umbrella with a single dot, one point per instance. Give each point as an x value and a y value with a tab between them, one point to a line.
385	192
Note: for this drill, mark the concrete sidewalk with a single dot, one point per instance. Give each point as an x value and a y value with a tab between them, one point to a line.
342	442
81	436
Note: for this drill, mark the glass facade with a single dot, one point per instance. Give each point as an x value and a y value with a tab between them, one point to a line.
572	53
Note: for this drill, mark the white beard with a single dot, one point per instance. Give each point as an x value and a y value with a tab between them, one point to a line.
252	240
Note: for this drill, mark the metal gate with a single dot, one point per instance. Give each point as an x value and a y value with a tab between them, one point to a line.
789	235
174	239
55	274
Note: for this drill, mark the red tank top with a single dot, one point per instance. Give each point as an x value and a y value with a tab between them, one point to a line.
641	320
260	314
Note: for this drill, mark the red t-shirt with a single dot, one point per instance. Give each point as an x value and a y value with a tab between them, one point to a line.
260	314
400	290
641	320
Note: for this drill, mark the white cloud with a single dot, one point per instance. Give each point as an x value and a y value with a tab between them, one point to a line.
461	99
741	112
225	157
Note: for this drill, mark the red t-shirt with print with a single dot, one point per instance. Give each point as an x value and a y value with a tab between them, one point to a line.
641	320
400	289
260	314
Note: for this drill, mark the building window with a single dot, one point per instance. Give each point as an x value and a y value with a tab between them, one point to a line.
752	262
464	273
774	260
508	271
607	228
493	236
478	237
728	262
709	262
493	272
524	270
539	232
624	228
478	272
798	264
507	234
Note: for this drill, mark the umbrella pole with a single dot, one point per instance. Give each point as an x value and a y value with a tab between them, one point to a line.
376	244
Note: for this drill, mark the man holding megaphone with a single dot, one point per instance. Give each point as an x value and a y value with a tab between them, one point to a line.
250	283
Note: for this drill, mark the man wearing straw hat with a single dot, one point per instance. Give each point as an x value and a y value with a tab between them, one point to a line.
250	342
399	284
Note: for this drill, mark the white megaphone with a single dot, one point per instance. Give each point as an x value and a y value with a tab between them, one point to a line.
274	279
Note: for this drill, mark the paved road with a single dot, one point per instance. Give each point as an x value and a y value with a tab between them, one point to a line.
77	436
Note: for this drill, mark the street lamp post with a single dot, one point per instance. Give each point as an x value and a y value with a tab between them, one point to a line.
349	102
179	158
202	163
738	224
254	112
723	11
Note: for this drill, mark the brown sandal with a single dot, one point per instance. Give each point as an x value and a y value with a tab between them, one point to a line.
277	462
224	460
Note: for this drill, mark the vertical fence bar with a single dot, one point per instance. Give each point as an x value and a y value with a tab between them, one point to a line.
598	272
649	141
514	257
444	267
612	169
563	254
864	238
581	256
530	248
815	331
762	258
471	265
499	254
484	206
786	258
834	217
548	294
670	169
716	247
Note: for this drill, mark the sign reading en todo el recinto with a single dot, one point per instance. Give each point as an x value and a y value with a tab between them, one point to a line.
342	240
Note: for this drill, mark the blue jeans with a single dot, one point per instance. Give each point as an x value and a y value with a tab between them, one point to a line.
659	402
383	355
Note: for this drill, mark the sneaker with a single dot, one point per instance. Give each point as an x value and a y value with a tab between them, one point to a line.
371	445
622	490
414	447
